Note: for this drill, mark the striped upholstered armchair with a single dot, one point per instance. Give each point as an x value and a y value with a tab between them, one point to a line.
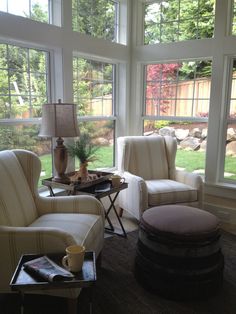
30	223
148	165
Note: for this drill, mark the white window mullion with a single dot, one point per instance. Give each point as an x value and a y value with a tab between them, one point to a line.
215	120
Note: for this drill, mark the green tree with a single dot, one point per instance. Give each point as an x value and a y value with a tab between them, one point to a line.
177	20
38	13
95	18
23	90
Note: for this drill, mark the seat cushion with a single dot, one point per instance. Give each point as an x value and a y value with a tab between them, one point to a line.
178	220
161	192
86	229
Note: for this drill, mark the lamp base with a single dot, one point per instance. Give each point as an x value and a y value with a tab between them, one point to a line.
60	162
64	179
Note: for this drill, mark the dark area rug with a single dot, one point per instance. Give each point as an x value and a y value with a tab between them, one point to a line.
117	290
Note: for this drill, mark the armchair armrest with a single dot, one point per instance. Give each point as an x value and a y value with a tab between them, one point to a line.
23	240
192	179
134	199
84	204
35	239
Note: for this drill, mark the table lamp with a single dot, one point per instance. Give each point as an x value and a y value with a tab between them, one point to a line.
59	120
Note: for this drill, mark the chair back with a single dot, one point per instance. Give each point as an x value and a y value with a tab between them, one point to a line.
17	206
149	157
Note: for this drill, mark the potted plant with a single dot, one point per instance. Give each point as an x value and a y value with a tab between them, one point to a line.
83	149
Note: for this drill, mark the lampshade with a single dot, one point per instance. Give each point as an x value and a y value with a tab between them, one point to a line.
59	120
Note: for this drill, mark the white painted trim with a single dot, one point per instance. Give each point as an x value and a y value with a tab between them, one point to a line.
225	214
224	190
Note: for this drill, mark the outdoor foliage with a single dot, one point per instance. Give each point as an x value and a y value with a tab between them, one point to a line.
95	18
37	10
92	86
159	80
176	86
83	149
178	20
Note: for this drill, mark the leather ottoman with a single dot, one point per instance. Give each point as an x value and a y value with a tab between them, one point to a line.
178	252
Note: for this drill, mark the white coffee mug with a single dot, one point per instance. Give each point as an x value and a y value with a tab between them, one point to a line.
116	180
74	258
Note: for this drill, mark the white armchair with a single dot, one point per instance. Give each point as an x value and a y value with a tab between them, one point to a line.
30	223
148	165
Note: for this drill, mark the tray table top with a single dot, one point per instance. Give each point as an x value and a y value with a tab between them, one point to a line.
23	281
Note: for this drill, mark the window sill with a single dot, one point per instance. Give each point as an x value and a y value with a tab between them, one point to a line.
225	190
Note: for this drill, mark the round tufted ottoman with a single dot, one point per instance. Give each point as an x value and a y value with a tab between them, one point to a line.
178	252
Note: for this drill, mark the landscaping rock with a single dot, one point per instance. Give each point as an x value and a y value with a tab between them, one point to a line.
101	141
196	132
167	131
231	135
231	149
148	133
204	133
203	145
181	134
190	143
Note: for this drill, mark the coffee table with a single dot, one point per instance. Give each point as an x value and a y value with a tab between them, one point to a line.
24	282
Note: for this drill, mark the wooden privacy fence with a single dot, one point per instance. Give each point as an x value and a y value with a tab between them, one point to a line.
188	98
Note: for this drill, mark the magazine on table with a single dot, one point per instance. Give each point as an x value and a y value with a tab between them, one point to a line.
104	187
47	269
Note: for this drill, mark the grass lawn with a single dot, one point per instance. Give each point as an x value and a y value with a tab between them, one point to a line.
104	159
189	160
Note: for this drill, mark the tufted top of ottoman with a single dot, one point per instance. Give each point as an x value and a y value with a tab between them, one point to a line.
181	221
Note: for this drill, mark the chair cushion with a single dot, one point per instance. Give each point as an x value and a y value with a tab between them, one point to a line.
161	192
178	220
86	229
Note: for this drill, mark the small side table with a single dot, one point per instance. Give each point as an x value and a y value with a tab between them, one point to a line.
115	191
24	282
75	188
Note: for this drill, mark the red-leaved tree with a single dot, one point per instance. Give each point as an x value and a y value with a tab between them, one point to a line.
161	87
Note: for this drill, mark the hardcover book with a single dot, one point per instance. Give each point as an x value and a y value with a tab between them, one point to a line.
104	187
47	269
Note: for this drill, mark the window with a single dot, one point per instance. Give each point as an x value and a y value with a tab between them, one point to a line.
96	18
178	20
234	17
230	153
177	97
37	10
93	86
23	90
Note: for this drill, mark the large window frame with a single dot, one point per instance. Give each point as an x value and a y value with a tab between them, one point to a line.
92	27
112	117
29	121
54	12
177	25
229	119
167	83
172	84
